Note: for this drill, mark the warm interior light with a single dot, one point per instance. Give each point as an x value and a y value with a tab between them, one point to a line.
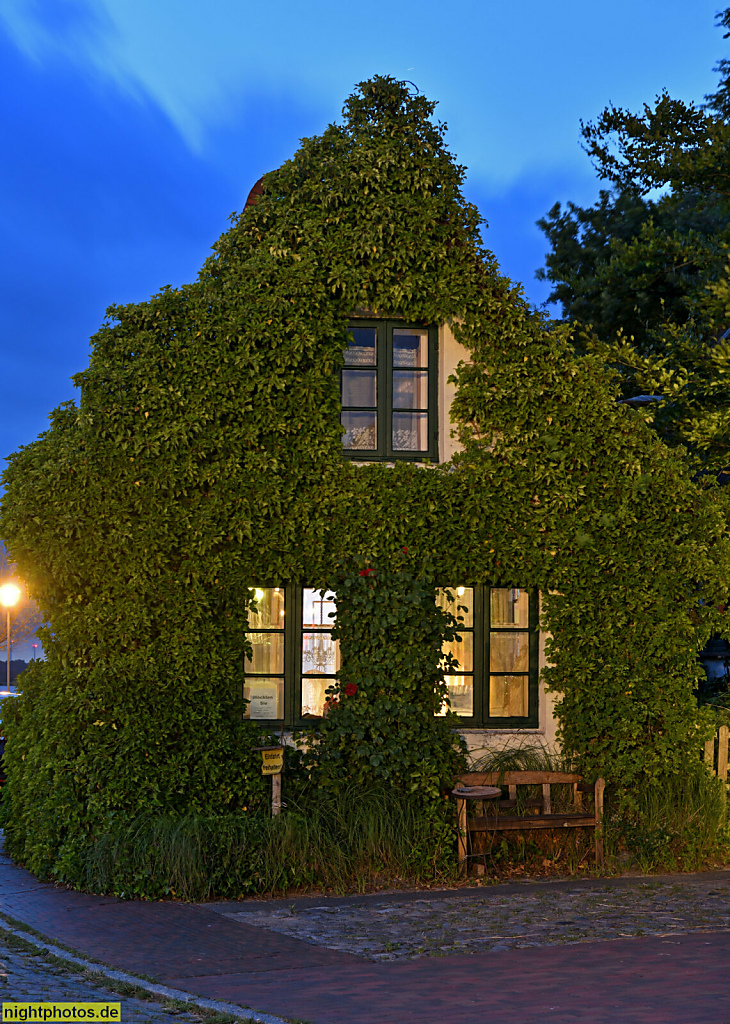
9	595
461	591
259	594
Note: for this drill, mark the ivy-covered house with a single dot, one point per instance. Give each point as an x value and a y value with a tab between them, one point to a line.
396	390
350	386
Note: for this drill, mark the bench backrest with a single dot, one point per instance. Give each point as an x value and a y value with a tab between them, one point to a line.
526	778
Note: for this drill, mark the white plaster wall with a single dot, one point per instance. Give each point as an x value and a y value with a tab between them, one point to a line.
450	353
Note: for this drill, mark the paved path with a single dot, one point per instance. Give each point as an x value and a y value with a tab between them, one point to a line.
492	919
26	977
678	979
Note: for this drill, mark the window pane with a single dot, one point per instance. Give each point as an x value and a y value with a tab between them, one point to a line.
509	652
461	602
410	347
462	650
508	696
266	698
510	607
359	387
317	607
361	431
363	350
269	613
410	431
314	696
268	653
410	389
461	695
320	654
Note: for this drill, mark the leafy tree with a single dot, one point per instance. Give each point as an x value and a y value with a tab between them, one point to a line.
644	274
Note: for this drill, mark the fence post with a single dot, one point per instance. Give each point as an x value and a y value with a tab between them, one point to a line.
710	756
722	739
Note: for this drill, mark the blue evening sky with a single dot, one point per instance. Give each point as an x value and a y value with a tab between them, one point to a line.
133	128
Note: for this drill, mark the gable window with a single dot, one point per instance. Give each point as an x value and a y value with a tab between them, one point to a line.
389	391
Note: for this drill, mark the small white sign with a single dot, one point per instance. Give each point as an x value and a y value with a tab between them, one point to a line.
263	700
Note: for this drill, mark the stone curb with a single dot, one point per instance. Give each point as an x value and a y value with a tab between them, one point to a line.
149	986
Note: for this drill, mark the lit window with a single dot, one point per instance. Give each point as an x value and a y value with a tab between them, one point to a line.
263	686
496	684
320	653
460	602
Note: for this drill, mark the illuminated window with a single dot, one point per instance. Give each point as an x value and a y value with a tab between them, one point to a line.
264	674
497	680
294	659
320	653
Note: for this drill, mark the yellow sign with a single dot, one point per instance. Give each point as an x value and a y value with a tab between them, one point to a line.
272	761
61	1011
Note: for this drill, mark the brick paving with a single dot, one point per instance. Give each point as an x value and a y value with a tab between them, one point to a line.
29	977
676	978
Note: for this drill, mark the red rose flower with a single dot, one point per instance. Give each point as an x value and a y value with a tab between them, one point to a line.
405	551
351	689
367	572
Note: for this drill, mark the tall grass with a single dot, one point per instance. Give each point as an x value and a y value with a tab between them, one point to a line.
524	756
353	841
679	824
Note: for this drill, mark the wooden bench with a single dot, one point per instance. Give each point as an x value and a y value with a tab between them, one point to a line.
539	811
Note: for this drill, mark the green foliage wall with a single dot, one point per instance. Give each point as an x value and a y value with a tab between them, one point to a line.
383	723
205	456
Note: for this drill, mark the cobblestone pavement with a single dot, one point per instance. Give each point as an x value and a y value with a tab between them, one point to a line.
465	924
27	977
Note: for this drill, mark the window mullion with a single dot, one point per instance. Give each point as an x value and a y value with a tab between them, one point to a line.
385	409
433	409
481	628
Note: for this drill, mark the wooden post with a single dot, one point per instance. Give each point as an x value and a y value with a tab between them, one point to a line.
547	807
722	738
272	763
461	809
710	755
275	795
598	803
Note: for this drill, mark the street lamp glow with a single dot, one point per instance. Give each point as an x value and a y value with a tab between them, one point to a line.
9	595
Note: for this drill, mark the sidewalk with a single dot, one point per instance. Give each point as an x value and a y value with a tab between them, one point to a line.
677	980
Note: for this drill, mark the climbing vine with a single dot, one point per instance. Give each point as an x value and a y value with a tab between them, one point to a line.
206	445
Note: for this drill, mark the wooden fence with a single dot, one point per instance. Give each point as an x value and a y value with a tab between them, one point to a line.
716	751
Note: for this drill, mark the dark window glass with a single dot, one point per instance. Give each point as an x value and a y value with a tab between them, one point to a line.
388	392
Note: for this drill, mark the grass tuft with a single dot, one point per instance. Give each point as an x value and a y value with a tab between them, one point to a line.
347	842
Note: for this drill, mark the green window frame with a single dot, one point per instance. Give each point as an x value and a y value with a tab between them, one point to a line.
265	671
294	663
496	685
389	391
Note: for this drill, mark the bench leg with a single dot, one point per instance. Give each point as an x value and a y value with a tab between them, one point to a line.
461	809
598	804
